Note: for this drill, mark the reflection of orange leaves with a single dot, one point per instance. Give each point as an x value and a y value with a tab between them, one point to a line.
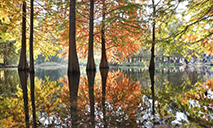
210	102
121	91
201	87
83	94
122	95
204	110
83	91
65	90
64	81
185	99
209	83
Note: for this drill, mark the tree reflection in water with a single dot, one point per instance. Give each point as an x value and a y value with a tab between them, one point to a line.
91	78
23	75
73	91
107	99
16	111
32	90
104	73
152	77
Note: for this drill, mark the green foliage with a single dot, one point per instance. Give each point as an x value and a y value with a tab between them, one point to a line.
8	53
187	98
42	59
8	81
181	27
46	38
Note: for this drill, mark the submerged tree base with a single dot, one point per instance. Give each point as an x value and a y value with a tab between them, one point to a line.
104	64
23	68
104	67
73	73
151	68
73	66
91	66
90	69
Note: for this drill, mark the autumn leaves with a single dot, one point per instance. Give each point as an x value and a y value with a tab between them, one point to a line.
116	30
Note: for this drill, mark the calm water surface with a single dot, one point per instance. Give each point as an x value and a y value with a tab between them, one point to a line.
118	97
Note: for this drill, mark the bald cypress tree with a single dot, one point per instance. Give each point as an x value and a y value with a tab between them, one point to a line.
23	65
91	61
73	65
31	37
104	62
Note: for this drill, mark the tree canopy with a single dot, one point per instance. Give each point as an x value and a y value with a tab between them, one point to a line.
180	26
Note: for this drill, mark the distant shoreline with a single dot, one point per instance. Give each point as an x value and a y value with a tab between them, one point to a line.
8	66
64	65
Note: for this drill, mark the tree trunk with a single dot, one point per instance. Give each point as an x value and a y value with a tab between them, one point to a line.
31	39
104	62
73	65
90	61
23	65
152	61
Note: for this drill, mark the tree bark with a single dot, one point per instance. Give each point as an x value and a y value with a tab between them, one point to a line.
91	61
104	62
23	65
73	65
152	61
31	38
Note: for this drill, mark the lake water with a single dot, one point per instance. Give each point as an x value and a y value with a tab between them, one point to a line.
118	97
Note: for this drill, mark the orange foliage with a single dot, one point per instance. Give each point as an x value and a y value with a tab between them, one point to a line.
209	84
121	36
